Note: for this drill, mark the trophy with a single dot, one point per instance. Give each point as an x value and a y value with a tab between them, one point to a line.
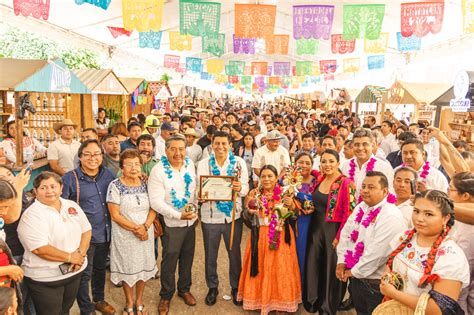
190	207
394	279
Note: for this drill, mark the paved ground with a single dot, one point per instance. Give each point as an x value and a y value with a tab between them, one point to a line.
199	289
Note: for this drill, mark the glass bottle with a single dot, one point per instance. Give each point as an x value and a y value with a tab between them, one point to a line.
45	103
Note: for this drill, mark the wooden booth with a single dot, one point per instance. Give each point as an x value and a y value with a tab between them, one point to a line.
137	101
47	88
159	96
369	102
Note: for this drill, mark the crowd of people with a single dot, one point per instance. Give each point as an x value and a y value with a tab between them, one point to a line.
341	213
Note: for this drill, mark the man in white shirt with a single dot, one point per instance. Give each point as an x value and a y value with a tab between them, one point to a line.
389	143
193	150
272	153
167	130
414	156
216	217
327	143
171	186
356	168
61	152
364	243
255	131
402	184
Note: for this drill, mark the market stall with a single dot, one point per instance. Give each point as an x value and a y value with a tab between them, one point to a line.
159	96
369	101
137	98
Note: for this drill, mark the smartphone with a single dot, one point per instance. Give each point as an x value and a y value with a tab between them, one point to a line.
29	168
66	268
413	187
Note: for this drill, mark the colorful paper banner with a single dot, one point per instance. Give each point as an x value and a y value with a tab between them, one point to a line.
259	67
244	45
315	71
254	20
213	44
304	67
376	62
246	80
194	64
142	15
341	46
376	46
171	61
103	4
180	42
420	18
269	70
118	31
199	18
468	16
215	66
277	44
149	39
233	79
235	68
39	9
307	46
327	66
362	20
205	76
281	68
412	43
351	65
312	21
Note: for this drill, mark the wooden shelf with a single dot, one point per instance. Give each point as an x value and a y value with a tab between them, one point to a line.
462	125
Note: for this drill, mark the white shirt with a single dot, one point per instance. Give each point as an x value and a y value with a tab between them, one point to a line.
279	158
42	225
209	211
317	162
359	176
380	154
258	139
376	238
406	208
434	180
64	153
159	191
160	148
194	152
450	263
389	144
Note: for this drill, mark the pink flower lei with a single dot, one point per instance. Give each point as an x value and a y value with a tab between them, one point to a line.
369	168
425	170
351	258
273	234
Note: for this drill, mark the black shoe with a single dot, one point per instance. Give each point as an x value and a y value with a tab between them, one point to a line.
346	305
233	292
211	296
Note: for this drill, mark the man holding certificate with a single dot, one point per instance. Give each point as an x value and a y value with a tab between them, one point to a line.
225	175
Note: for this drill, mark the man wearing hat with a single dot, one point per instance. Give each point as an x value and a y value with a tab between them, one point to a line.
167	130
193	150
152	123
272	153
61	152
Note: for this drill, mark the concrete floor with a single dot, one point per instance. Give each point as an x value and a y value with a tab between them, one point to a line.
199	289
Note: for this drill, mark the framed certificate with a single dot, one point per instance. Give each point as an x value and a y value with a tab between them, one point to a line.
216	188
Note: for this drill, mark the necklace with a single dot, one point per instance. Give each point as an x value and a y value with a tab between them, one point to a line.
178	203
223	206
369	168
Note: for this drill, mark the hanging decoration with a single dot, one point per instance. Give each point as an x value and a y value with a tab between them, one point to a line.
150	39
281	68
234	79
194	64
39	9
269	70
341	46
376	46
362	20
327	66
103	4
307	46
213	44
304	67
215	66
180	42
235	68
244	45
351	65
274	80
119	31
468	16
421	18
312	21
315	71
259	68
142	15
375	62
246	80
205	76
171	61
412	43
254	20
277	44
199	18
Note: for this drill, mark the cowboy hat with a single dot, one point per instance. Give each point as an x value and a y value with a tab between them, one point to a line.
191	132
156	112
274	135
66	122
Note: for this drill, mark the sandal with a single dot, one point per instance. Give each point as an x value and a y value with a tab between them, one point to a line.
140	308
129	311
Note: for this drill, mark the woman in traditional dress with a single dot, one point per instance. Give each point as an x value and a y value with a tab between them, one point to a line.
427	260
32	148
333	197
270	278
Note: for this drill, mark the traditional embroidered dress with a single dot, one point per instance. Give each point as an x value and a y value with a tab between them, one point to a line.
276	286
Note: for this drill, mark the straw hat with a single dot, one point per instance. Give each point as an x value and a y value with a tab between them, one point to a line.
191	132
66	122
274	135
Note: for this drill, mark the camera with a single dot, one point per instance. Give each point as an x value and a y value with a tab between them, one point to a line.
25	105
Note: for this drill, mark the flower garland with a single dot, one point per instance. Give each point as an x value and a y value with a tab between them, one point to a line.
273	227
351	258
425	170
223	206
369	168
178	203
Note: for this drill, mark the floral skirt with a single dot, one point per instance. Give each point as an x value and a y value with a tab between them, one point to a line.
277	285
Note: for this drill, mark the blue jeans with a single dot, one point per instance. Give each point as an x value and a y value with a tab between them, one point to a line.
95	274
28	306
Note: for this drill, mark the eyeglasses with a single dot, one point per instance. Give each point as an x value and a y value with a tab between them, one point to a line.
89	156
132	165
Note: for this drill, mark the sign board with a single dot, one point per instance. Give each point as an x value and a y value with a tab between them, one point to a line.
461	102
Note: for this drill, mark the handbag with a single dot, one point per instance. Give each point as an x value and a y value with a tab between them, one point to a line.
393	307
157	227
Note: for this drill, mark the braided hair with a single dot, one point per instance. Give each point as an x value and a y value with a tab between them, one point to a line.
447	208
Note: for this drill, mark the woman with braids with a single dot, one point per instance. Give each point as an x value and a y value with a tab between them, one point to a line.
427	259
461	191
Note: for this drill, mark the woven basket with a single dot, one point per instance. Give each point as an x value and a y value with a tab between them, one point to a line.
393	307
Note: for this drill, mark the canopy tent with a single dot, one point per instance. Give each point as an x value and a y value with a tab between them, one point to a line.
102	81
413	93
131	84
371	94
